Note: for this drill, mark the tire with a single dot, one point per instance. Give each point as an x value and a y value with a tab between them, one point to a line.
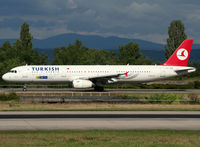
98	88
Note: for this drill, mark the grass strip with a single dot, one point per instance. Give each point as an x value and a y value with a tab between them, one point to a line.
99	138
28	106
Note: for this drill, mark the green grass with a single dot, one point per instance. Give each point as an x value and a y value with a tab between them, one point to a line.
28	106
154	102
8	97
163	98
99	138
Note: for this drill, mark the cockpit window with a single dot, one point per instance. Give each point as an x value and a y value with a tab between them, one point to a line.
13	71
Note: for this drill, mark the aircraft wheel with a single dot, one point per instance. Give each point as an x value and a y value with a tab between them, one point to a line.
98	88
25	87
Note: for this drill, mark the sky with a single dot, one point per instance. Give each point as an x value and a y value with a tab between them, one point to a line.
139	19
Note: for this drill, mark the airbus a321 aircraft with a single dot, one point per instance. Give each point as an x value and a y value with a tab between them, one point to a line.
87	76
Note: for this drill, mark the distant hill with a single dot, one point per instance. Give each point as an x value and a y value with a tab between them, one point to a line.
93	41
154	50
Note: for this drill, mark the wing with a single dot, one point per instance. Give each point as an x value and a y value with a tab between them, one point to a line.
109	78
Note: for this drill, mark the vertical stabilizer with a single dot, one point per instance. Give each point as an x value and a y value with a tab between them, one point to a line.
181	56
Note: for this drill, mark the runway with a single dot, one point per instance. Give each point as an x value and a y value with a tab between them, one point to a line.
72	90
84	120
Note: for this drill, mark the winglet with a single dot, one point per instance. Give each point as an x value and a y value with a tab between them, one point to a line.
181	56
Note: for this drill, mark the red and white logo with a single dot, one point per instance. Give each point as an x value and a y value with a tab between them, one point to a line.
126	74
182	54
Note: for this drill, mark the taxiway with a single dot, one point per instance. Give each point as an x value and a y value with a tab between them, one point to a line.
84	120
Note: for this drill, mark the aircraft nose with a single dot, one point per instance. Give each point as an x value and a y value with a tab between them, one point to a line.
5	77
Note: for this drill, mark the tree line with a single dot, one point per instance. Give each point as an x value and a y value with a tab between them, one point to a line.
20	53
78	54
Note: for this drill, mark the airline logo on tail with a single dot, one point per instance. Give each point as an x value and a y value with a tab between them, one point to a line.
182	54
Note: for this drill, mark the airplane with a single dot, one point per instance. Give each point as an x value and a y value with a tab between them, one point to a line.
88	76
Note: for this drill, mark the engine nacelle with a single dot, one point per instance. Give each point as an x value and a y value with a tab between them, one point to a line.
82	84
112	80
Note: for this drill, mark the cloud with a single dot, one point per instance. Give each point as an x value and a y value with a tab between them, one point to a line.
8	33
142	9
142	19
161	38
54	6
71	4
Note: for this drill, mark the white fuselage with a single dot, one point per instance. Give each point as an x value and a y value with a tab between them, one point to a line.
69	73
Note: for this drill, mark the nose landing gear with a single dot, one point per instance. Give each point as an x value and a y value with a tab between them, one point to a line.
25	87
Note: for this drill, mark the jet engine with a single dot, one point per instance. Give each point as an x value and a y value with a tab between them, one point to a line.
112	80
82	84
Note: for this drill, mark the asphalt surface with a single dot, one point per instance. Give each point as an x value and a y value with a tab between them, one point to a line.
70	90
84	120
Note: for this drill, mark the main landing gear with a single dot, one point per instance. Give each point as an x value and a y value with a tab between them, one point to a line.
98	88
25	87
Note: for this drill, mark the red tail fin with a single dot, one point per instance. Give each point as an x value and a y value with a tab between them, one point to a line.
181	55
